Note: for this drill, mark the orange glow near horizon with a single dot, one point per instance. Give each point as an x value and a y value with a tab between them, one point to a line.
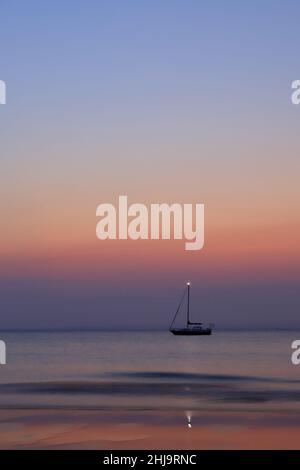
253	253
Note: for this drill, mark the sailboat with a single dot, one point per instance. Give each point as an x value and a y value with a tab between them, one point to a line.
191	328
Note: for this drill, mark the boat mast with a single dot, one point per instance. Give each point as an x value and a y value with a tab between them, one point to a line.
188	303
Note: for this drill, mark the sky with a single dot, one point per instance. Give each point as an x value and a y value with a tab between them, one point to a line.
174	101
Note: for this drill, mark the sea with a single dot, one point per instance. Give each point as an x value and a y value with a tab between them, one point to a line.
150	370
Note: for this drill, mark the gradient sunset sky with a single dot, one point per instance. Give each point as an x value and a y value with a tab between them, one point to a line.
164	101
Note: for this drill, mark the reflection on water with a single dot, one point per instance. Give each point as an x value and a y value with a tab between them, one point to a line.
150	370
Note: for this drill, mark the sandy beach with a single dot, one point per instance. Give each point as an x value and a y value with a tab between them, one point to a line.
57	429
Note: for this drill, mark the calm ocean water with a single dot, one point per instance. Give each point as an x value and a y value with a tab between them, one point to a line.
150	370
